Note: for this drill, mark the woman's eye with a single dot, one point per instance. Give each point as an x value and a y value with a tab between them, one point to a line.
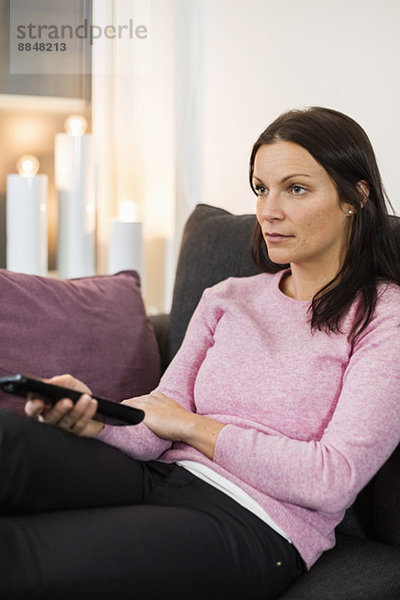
260	189
298	190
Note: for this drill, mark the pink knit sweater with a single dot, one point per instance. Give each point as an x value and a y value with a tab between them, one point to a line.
309	417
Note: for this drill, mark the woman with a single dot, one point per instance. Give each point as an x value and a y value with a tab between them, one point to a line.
279	407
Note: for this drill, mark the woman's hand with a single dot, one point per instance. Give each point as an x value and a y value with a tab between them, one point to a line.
77	418
170	421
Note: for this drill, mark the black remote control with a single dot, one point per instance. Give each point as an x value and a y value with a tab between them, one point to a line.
24	385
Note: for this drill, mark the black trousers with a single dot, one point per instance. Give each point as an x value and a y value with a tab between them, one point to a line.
81	520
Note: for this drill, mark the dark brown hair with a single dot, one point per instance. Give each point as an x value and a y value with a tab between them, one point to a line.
344	150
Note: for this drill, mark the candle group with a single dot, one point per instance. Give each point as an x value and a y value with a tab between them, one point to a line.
26	219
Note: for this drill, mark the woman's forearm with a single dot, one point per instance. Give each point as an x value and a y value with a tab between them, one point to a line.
171	421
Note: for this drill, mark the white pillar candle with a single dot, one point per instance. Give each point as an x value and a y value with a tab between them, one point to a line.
125	250
26	223
74	172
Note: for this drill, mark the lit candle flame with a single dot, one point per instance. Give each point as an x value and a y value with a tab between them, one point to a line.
28	165
75	125
127	211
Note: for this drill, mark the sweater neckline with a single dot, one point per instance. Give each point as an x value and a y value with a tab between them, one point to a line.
276	282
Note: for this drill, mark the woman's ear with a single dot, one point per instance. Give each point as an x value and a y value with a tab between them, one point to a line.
363	188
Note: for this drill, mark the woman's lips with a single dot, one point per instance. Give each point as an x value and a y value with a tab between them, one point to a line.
276	237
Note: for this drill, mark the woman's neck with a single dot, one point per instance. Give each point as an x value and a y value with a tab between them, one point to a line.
302	283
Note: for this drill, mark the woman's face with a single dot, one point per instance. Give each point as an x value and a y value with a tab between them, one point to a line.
301	217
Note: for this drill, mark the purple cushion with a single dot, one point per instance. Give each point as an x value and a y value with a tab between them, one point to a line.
94	328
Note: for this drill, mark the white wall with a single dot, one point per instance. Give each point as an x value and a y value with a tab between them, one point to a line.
262	57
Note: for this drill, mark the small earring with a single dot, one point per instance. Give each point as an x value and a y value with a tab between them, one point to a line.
350	212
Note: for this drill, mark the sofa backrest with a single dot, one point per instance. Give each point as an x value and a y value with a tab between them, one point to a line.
215	245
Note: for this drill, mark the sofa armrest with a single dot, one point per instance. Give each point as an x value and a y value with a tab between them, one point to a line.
160	324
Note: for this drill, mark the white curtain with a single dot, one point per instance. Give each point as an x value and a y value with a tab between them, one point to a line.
190	17
147	125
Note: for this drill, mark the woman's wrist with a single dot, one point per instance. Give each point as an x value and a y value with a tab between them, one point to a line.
202	433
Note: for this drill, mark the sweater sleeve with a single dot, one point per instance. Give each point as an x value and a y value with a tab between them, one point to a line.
179	379
177	382
327	474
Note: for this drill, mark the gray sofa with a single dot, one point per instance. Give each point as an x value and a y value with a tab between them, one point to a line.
365	563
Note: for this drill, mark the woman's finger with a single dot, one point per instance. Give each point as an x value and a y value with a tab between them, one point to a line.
69	382
83	413
35	407
58	412
75	413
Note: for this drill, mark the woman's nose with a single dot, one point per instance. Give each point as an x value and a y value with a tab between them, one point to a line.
270	207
